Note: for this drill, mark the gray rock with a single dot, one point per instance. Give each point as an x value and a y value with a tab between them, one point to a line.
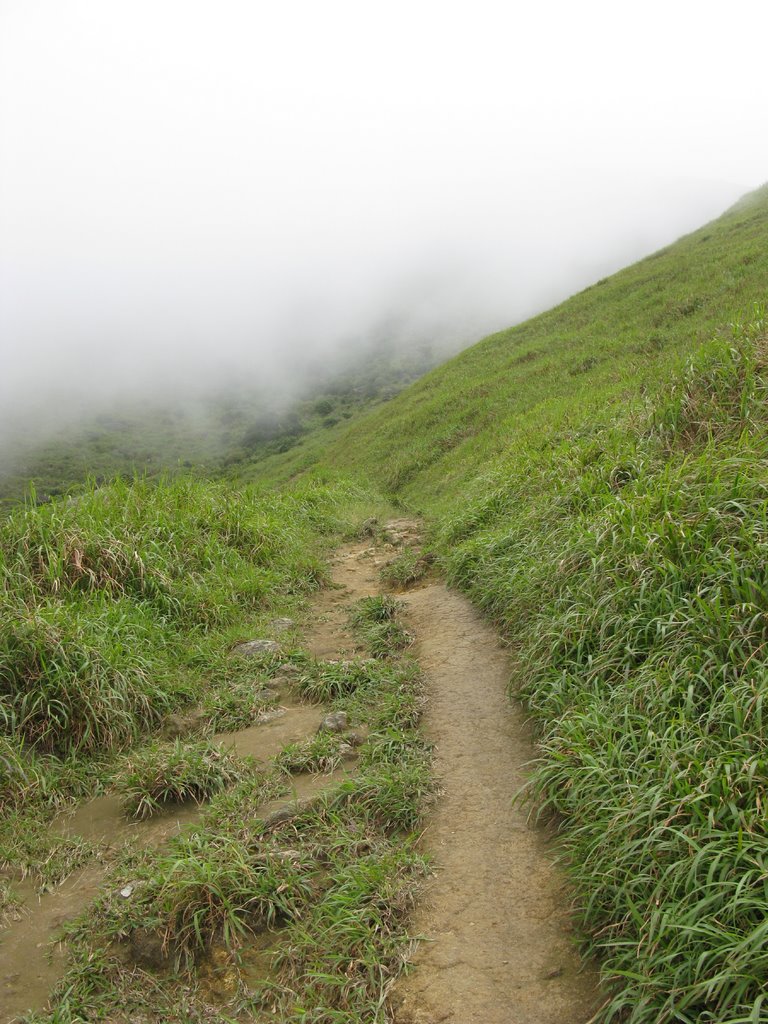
281	815
289	671
347	750
354	738
251	647
336	721
280	625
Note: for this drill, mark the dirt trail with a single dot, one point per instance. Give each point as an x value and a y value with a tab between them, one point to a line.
498	942
498	947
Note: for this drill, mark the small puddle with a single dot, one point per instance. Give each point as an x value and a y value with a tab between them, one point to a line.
268	738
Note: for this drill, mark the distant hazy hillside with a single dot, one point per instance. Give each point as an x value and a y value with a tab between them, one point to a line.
235	429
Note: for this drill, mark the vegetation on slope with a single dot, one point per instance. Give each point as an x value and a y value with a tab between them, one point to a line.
232	431
536	385
634	591
323	890
122	605
605	502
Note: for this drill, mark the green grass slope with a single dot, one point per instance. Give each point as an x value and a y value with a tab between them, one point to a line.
597	481
121	605
599	350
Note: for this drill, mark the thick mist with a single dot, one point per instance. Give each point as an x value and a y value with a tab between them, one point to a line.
197	195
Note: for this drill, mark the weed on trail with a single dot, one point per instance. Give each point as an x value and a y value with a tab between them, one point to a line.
374	621
10	907
322	753
332	879
163	773
407	568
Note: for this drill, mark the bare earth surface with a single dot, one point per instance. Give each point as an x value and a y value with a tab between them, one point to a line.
498	947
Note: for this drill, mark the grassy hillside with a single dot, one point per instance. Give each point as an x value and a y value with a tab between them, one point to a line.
596	481
566	369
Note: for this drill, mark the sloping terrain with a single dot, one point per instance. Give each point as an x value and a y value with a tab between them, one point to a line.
571	369
595	480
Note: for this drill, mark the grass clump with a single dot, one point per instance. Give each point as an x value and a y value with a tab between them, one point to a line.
375	622
350	949
75	675
23	778
321	754
407	568
237	705
29	848
322	682
10	906
163	773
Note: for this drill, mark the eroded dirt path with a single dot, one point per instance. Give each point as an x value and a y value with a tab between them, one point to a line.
498	946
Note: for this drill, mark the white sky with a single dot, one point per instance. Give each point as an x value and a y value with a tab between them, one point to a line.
195	188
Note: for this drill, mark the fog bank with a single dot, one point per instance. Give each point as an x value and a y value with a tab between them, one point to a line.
193	193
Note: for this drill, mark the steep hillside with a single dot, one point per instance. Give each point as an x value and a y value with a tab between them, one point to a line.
596	481
601	349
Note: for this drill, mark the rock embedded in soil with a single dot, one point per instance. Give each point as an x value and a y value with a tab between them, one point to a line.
252	647
287	671
336	721
281	625
281	815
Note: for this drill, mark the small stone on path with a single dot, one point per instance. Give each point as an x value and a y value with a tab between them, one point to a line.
251	647
281	625
336	721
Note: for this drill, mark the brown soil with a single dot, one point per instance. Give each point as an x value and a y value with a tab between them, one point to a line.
497	943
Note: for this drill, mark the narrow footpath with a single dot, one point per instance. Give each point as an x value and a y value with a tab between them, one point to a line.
497	945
